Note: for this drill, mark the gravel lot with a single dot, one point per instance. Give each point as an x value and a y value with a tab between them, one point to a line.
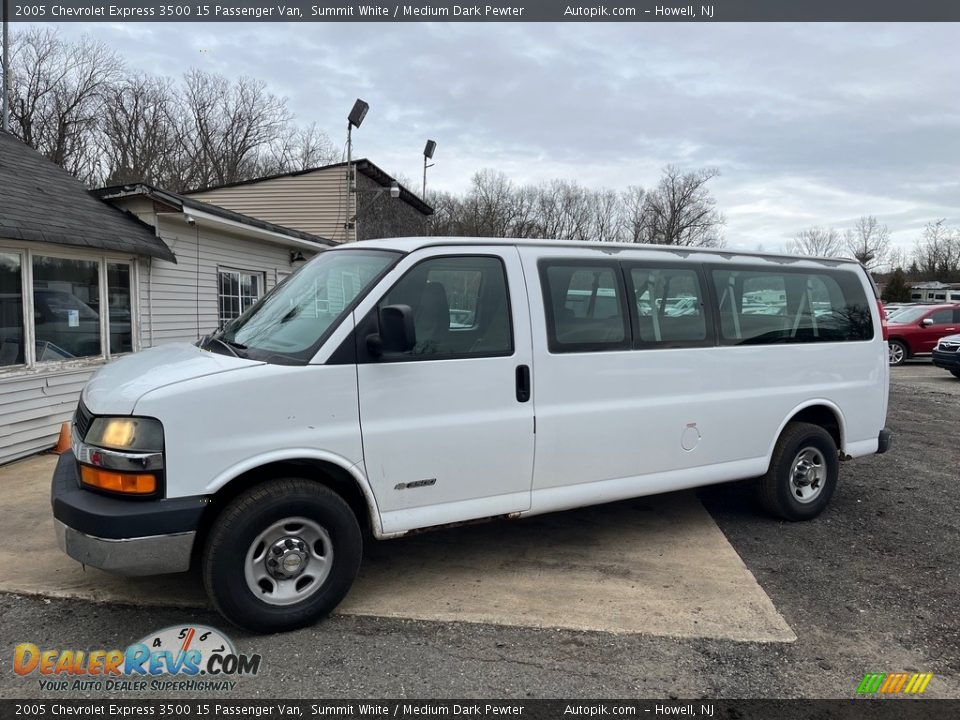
872	586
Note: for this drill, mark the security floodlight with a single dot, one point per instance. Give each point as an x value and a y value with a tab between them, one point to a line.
296	258
428	151
394	189
358	113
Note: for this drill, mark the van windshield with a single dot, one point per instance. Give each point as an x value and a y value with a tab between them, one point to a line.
291	320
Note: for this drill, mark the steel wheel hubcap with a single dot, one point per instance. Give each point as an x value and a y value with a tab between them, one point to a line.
896	354
289	561
808	475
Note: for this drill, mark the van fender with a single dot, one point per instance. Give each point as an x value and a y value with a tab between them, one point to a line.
355	469
841	422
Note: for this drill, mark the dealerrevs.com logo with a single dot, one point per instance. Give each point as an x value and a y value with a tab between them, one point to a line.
191	657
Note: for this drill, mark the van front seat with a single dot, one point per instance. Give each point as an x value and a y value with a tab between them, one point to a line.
432	320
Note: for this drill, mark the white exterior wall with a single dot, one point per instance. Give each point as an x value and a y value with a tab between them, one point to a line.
178	302
34	406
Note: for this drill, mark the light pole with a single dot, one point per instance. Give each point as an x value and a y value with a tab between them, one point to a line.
6	65
428	151
354	119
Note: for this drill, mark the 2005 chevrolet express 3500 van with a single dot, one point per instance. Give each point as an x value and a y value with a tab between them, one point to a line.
402	384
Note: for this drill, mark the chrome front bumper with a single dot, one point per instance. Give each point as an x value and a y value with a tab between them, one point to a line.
150	555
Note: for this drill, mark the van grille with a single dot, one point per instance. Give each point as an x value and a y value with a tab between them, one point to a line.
82	420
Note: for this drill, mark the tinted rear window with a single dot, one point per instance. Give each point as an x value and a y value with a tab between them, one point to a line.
760	306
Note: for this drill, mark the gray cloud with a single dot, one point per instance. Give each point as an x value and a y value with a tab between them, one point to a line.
808	123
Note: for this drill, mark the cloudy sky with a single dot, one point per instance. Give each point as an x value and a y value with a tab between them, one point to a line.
808	124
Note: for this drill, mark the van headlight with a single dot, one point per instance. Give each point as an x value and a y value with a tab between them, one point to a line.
144	435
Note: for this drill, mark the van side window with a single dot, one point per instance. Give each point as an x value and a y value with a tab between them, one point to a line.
584	304
460	308
790	306
669	302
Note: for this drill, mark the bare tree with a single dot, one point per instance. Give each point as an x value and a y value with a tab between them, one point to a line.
606	216
632	201
868	242
937	253
298	148
138	139
58	94
898	258
227	127
681	211
817	241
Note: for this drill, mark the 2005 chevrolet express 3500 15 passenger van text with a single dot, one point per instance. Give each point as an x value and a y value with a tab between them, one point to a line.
402	384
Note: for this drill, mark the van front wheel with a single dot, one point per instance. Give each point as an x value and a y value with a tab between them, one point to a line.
803	473
282	555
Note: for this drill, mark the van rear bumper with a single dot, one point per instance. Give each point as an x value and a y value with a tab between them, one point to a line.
119	535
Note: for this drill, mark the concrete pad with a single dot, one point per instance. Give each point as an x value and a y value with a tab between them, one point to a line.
656	566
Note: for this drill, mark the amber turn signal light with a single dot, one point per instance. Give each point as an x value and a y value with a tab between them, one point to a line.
129	483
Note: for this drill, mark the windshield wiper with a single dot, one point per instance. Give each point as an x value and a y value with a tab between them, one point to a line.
294	311
231	347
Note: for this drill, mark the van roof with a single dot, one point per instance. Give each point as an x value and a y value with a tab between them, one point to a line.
409	244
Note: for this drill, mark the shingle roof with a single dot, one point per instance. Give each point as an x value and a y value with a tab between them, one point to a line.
42	202
181	202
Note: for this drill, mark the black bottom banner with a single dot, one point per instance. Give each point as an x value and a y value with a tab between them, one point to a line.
892	709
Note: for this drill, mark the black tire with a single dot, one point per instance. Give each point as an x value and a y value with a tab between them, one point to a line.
777	494
955	373
899	352
250	514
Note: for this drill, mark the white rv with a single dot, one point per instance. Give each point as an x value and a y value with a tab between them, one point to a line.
395	385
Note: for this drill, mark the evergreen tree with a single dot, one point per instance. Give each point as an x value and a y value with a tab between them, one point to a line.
897	290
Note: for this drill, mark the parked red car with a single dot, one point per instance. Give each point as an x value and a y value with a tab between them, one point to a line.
916	330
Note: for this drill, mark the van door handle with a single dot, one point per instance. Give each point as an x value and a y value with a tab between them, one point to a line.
523	383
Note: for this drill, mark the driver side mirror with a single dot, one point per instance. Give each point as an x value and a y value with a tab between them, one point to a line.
397	331
926	322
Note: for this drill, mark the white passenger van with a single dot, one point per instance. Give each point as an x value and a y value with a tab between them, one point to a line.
390	386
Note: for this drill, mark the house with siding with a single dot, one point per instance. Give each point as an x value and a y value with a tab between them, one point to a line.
86	277
318	201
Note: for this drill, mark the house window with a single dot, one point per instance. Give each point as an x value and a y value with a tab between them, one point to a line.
118	300
57	308
66	301
238	291
11	309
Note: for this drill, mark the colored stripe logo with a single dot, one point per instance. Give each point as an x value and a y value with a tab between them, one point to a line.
894	683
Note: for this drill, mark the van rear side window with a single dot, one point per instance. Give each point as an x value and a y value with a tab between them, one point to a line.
760	307
670	310
585	306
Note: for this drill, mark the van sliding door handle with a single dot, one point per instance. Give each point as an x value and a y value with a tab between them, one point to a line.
523	383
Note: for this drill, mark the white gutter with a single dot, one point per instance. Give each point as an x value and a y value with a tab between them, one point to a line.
238	228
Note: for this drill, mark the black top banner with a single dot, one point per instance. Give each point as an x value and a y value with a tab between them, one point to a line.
491	11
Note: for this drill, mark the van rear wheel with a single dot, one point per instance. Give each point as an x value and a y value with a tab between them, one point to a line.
281	555
803	473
